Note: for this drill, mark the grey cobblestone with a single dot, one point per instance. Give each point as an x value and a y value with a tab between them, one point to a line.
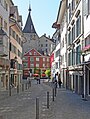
67	105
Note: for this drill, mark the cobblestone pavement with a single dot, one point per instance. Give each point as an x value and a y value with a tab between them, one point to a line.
23	105
66	105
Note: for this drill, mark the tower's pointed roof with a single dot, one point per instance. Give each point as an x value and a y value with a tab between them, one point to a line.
29	27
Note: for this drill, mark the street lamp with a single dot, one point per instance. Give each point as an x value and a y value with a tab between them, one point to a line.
12	65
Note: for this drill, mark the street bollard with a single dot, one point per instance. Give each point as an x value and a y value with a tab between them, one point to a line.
55	91
37	108
22	87
30	82
48	100
10	92
17	88
53	94
26	86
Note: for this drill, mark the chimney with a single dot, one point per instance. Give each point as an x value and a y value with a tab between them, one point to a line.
44	34
48	36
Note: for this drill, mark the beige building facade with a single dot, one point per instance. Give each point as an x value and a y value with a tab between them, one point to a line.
11	41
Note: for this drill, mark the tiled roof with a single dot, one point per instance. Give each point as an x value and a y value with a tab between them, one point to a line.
29	27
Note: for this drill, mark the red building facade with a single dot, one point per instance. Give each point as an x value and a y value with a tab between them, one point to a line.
35	61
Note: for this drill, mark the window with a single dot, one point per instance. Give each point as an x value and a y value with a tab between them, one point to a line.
13	34
31	65
43	65
69	11
69	59
73	33
25	58
25	64
63	43
35	53
47	59
73	5
6	5
88	6
37	65
46	50
69	38
1	1
78	54
37	59
87	41
78	26
17	38
46	45
73	57
57	53
15	50
43	59
20	66
1	21
31	59
41	45
30	53
56	65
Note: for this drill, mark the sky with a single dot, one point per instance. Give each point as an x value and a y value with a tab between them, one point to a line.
44	14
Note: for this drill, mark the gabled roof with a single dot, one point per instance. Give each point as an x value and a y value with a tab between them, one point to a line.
44	36
33	52
29	27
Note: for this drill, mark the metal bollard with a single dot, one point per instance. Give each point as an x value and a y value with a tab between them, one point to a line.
10	92
48	100
26	86
55	91
37	108
30	82
53	94
22	87
17	88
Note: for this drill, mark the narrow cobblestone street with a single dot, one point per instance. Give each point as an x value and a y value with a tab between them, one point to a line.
66	105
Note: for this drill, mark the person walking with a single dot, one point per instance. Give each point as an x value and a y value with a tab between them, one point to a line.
59	81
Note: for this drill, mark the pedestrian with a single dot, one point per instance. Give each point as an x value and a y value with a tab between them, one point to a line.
39	79
59	81
55	83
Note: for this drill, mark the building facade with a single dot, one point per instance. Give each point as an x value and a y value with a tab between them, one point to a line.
16	43
73	18
44	44
4	43
86	47
33	60
10	45
61	19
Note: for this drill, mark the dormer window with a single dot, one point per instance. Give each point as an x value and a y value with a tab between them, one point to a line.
30	53
35	53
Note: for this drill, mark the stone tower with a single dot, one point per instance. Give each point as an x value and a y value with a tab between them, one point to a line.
30	34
